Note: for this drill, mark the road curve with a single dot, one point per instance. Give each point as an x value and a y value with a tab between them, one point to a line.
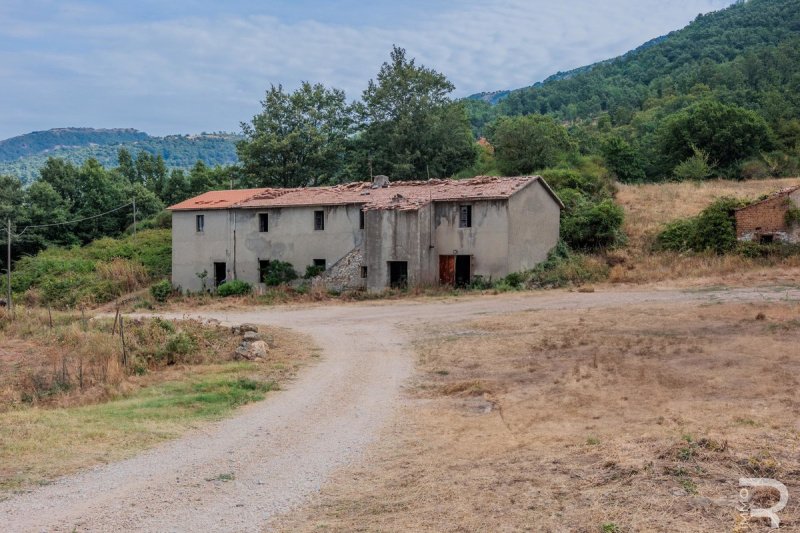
282	449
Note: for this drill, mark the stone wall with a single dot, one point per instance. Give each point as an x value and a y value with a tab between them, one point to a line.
344	275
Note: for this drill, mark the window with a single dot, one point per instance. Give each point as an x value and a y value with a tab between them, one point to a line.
363	272
319	220
200	223
319	263
361	219
263	222
263	270
465	216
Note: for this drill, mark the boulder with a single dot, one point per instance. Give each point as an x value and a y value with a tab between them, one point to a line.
259	349
248	327
251	336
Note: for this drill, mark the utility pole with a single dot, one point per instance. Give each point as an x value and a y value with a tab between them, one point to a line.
134	217
9	303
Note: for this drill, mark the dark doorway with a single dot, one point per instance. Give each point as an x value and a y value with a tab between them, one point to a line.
219	274
462	273
263	270
398	274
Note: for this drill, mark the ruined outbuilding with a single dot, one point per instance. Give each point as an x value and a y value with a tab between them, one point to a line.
369	235
773	219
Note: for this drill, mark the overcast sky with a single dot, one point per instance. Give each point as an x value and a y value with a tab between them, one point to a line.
203	65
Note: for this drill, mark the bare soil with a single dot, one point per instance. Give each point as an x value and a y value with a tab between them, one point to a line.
635	417
551	411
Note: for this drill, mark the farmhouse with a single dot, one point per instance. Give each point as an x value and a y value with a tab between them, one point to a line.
367	235
773	219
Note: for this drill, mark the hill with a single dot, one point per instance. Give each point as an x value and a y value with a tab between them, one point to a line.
25	155
725	85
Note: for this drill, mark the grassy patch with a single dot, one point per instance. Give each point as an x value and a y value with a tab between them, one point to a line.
39	444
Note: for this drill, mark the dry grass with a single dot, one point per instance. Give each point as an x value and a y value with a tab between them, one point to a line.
648	207
66	403
636	419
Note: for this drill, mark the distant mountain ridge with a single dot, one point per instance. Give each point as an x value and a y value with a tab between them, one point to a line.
24	155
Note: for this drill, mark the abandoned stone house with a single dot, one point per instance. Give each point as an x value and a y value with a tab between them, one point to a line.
771	219
367	235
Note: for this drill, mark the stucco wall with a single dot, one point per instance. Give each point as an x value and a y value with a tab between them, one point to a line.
291	237
391	235
194	252
534	218
486	241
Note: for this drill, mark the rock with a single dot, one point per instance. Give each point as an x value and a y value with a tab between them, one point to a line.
259	349
248	327
251	336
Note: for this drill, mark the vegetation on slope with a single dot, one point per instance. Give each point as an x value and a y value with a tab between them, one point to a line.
97	273
736	68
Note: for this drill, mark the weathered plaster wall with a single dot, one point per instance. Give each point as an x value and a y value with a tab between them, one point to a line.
391	235
486	241
534	218
292	237
194	251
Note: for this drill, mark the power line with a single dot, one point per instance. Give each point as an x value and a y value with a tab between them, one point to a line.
34	226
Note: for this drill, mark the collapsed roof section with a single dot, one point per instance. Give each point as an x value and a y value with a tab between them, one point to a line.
401	195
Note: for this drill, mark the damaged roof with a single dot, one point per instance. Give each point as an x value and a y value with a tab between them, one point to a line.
775	194
402	195
216	199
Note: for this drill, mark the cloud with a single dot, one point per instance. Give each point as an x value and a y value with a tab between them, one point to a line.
82	65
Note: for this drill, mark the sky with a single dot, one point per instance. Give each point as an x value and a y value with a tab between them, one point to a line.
167	67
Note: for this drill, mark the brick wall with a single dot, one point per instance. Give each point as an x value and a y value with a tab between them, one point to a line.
767	217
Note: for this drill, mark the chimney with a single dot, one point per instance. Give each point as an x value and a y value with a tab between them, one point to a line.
380	181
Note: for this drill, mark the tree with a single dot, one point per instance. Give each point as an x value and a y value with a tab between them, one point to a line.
527	143
623	160
298	139
411	129
726	133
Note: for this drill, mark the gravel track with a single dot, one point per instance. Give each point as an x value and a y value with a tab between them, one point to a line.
282	449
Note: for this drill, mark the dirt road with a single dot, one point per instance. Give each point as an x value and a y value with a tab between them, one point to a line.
234	475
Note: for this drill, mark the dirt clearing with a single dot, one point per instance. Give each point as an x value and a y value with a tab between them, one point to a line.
607	419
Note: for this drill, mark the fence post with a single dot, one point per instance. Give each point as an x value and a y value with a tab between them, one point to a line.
122	335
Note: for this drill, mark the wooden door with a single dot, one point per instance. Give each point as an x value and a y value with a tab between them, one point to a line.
447	269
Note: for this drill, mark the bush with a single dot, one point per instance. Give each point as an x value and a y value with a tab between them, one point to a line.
714	229
695	168
234	287
278	273
161	290
313	271
590	226
564	267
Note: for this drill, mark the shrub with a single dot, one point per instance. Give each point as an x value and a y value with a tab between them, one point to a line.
278	273
677	236
696	168
590	226
313	271
714	229
234	287
161	290
564	267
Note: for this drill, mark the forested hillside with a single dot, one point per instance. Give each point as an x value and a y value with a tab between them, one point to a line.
742	63
25	155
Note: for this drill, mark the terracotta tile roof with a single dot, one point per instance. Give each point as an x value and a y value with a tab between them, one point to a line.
398	195
215	199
